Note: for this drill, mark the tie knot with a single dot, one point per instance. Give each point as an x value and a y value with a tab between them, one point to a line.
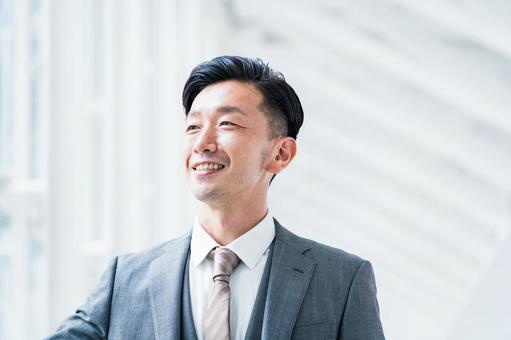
225	262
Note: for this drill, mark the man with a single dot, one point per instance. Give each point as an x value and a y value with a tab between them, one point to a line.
238	274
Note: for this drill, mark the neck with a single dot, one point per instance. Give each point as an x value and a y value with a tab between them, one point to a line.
226	222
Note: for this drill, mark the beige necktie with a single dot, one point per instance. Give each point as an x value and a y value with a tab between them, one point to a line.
217	317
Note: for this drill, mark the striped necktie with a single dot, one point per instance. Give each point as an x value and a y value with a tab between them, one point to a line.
217	317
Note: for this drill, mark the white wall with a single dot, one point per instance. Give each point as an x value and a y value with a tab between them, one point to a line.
487	315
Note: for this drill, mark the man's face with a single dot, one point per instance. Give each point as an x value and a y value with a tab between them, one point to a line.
227	145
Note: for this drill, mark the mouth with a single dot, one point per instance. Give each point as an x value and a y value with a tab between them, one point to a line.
207	168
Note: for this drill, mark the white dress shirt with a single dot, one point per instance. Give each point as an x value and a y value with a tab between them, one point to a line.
252	248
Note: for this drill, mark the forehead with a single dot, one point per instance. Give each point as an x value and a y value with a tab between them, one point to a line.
228	94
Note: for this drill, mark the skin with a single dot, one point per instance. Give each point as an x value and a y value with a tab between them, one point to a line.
225	126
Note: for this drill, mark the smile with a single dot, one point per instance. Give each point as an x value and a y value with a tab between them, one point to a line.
209	166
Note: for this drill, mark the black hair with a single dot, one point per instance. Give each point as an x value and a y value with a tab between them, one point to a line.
280	103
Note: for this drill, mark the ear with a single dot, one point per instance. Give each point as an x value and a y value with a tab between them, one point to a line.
283	153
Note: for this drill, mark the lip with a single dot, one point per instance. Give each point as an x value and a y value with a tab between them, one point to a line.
205	173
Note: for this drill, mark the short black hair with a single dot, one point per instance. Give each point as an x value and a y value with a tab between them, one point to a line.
280	103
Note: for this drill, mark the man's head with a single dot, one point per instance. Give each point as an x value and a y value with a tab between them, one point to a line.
242	119
280	103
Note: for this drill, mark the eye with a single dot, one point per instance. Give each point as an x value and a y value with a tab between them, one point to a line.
191	128
225	122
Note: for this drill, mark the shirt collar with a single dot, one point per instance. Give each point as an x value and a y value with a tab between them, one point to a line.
249	247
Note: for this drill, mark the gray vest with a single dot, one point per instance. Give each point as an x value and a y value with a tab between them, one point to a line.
187	326
255	326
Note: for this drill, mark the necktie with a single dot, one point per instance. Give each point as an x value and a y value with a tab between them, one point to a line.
217	317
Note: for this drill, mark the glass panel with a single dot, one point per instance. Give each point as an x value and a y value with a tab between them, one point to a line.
36	274
97	50
6	95
5	273
97	228
35	106
5	292
36	281
35	5
22	255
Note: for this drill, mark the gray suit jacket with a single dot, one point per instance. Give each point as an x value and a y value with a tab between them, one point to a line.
314	292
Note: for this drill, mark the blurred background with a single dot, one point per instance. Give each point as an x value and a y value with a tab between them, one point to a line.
404	156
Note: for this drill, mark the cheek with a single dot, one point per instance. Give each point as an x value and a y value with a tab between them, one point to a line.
186	151
227	138
230	144
254	160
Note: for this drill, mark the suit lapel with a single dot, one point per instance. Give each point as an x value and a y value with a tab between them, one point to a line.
290	274
165	289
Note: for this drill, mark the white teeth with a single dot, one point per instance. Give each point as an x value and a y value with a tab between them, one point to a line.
209	166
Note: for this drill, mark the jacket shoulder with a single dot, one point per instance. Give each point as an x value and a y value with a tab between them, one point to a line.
136	265
325	255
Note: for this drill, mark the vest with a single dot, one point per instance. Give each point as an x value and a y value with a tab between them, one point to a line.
255	326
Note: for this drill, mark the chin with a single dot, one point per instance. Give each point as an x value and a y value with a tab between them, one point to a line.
205	194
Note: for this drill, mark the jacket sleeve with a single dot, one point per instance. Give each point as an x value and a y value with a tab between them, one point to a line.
361	320
91	320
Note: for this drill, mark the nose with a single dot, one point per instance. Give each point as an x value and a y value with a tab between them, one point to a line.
206	141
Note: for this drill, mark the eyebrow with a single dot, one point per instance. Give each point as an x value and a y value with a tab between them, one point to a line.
221	109
231	109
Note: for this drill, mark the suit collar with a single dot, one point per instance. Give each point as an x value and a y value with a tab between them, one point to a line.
165	288
290	275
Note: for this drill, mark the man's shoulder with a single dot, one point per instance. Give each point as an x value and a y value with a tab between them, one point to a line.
323	254
153	252
139	262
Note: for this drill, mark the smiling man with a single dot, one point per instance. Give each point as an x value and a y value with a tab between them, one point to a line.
238	274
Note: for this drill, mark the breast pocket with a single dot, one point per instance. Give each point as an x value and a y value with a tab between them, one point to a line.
317	331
